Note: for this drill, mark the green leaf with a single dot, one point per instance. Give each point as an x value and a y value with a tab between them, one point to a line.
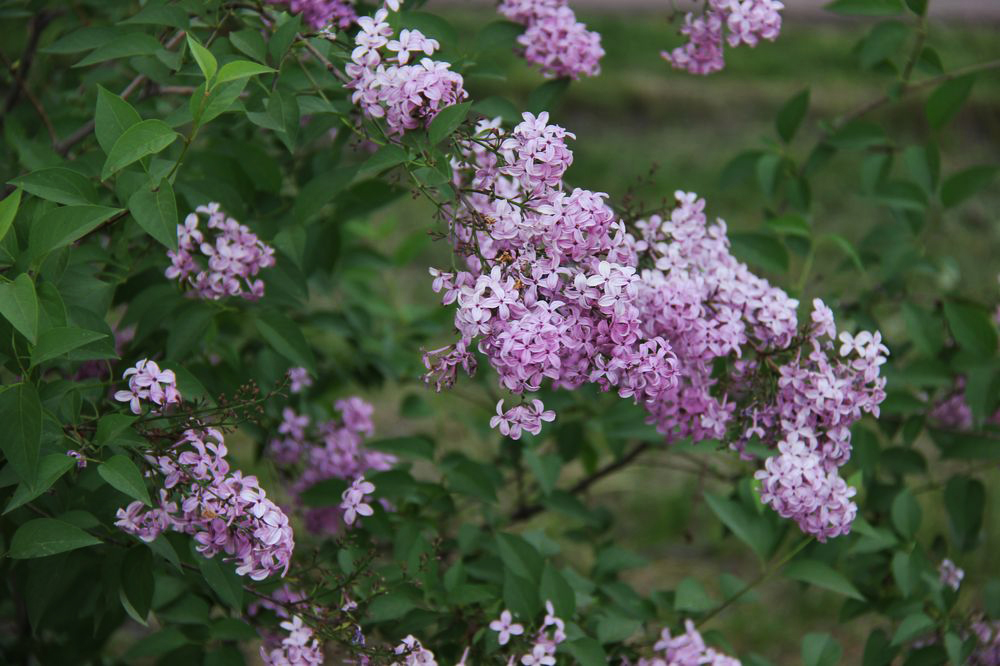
21	414
545	96
206	61
250	42
19	305
906	570
137	579
205	108
385	158
859	135
966	183
753	529
545	468
321	190
414	446
156	212
918	7
122	46
241	69
690	597
50	469
520	595
964	499
171	15
55	342
613	627
923	163
122	474
390	606
844	246
791	114
63	186
761	250
284	109
112	117
223	580
972	328
586	651
820	650
913	626
924	328
790	225
947	100
519	556
8	211
822	575
283	37
286	338
865	7
906	514
554	588
61	226
147	137
447	121
884	41
47	536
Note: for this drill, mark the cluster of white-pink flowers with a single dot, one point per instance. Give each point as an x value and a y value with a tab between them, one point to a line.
334	449
320	14
556	289
299	648
222	261
147	382
950	575
553	39
393	76
686	649
734	21
225	511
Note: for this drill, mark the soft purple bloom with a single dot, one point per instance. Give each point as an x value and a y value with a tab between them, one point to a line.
950	575
299	379
354	499
146	381
506	627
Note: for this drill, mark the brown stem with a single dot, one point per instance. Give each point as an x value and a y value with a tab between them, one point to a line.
37	24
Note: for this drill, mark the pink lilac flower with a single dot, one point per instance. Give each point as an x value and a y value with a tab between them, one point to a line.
553	39
506	627
223	261
520	418
299	380
299	648
332	449
735	21
687	649
225	511
987	650
319	14
414	654
354	498
396	79
146	381
950	575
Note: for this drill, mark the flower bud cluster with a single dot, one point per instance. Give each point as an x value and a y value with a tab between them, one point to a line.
334	449
319	14
234	256
553	39
146	381
734	21
225	511
386	84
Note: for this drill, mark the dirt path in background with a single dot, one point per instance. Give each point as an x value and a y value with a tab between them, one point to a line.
968	10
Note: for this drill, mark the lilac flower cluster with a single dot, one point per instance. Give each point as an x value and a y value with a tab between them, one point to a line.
233	253
987	650
542	651
735	21
299	380
146	381
354	497
225	511
557	289
687	649
953	411
553	39
319	14
334	449
386	85
414	654
298	648
819	397
550	291
950	575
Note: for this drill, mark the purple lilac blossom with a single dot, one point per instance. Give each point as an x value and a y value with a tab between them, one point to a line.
233	254
225	511
388	85
320	14
147	382
734	21
553	39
